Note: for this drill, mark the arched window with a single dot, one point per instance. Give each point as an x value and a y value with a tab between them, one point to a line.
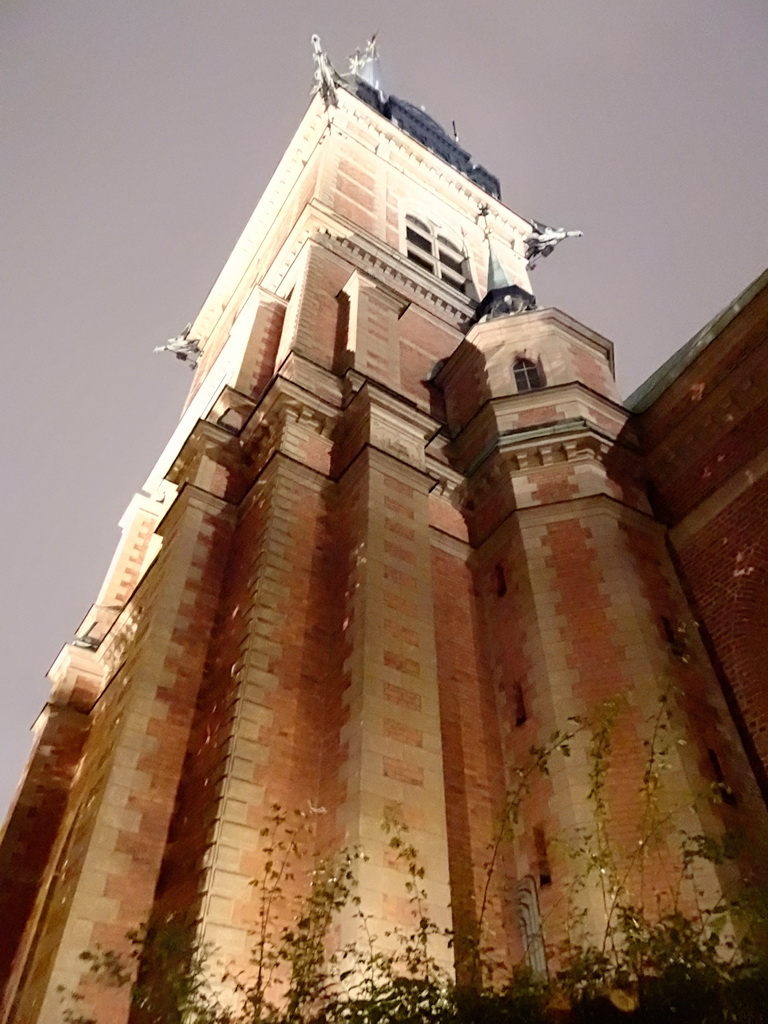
529	923
527	375
428	247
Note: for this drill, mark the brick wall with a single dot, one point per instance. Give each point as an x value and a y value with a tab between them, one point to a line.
30	836
101	879
473	765
705	435
377	593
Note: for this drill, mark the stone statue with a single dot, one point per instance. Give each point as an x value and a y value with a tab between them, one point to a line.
326	76
182	347
542	240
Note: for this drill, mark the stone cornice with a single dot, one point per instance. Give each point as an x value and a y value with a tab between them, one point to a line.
285	406
207	446
567	441
449	483
590	504
77	677
719	500
381	419
287	393
389	268
549	315
485	432
373	131
451	545
364	252
405	153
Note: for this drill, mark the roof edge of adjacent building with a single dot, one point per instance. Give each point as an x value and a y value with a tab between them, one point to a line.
654	387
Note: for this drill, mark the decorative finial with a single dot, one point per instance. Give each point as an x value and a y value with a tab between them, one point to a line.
542	240
365	64
183	347
482	215
326	77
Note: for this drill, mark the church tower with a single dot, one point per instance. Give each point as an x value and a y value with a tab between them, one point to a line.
399	537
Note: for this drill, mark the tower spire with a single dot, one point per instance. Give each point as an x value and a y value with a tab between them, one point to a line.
502	296
497	275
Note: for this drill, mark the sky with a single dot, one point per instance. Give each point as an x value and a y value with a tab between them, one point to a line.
136	136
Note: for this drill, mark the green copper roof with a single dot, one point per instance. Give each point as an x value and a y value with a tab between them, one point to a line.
652	389
497	276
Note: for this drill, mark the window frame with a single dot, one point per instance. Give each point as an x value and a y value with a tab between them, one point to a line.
435	248
530	372
529	926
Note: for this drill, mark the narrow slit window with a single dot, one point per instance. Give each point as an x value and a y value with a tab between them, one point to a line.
342	351
521	712
501	580
675	637
721	786
542	856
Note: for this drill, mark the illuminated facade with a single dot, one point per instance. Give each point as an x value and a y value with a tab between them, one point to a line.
397	539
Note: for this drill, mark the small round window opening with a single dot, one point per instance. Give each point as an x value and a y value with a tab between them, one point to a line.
527	375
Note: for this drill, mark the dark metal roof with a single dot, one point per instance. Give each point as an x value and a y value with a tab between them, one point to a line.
420	126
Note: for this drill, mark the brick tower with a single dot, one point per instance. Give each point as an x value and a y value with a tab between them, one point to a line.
399	536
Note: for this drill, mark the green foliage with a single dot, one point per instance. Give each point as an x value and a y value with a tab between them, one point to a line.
472	948
657	965
165	970
406	984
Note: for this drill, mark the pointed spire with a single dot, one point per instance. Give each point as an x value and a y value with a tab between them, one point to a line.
502	297
497	275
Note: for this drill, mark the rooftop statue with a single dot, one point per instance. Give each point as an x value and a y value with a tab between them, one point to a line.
364	80
183	347
542	240
326	76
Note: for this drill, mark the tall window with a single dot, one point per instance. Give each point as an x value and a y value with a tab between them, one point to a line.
428	248
529	923
527	376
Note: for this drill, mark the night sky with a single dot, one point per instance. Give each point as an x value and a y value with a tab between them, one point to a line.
137	136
